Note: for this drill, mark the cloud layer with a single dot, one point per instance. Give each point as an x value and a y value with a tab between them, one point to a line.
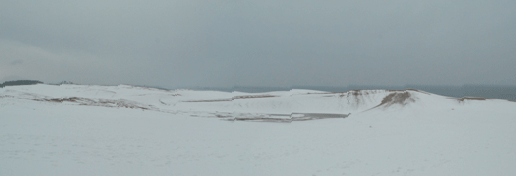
259	43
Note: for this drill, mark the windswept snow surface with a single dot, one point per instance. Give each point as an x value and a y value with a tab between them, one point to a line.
126	130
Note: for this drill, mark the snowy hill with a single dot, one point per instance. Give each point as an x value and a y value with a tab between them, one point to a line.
236	105
127	130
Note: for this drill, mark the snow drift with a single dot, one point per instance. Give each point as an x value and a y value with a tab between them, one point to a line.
126	130
285	106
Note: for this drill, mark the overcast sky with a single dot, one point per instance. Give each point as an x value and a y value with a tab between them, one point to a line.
259	43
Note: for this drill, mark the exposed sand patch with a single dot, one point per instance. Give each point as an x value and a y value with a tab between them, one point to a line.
471	98
400	98
235	98
284	118
101	102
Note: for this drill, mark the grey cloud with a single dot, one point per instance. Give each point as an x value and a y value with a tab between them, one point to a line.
16	62
269	43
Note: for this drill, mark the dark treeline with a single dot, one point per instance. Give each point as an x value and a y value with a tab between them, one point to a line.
20	82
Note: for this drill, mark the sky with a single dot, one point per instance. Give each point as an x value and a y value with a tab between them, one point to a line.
225	43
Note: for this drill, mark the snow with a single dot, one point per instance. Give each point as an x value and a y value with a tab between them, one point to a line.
164	133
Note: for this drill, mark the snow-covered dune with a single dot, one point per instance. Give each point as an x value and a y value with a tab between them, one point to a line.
127	130
236	105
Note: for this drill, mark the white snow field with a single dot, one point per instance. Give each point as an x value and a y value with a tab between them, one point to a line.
126	130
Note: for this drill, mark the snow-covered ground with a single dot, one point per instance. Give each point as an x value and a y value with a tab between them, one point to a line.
126	130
